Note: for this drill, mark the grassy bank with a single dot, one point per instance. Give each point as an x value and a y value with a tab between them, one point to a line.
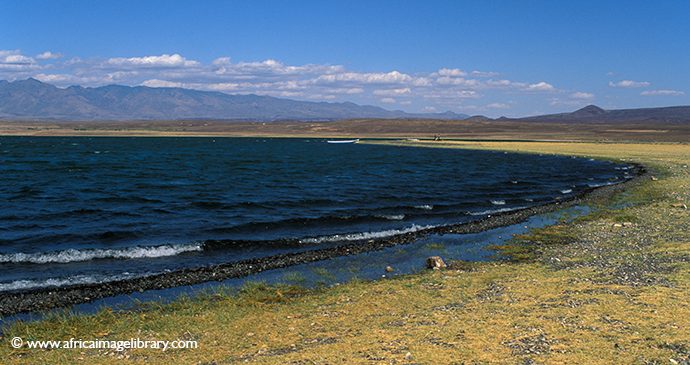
611	287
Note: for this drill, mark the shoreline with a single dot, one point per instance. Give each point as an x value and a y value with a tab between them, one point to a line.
31	300
353	128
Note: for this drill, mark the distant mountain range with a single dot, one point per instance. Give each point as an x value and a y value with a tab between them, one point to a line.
33	99
595	114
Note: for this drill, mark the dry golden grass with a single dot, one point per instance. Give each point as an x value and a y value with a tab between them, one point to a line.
603	296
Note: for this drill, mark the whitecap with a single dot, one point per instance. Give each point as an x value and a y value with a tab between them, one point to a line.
494	211
74	255
425	207
364	235
498	202
392	217
566	191
70	280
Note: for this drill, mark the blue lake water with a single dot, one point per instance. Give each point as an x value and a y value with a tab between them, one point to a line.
83	210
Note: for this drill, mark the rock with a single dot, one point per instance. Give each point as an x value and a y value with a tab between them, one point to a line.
617	225
679	205
435	263
627	224
460	265
389	269
654	178
408	356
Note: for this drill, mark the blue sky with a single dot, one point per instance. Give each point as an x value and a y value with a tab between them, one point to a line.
482	57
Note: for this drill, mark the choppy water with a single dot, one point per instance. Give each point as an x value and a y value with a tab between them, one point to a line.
80	210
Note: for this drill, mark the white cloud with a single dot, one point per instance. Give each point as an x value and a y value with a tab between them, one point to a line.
451	72
346	90
498	106
457	81
220	61
14	61
73	61
269	67
451	94
393	77
50	78
17	59
422	81
14	57
582	95
224	86
388	100
161	83
540	86
499	83
662	93
629	84
484	73
321	97
47	55
393	92
290	94
164	60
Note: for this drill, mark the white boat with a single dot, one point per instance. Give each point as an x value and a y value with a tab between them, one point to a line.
344	141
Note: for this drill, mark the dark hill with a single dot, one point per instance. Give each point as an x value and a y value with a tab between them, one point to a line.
595	114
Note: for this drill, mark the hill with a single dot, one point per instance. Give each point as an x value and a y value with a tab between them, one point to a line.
595	114
33	99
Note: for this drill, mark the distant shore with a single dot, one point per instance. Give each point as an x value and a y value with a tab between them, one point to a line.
360	128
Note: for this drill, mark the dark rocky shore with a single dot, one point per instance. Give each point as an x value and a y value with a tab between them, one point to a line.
47	298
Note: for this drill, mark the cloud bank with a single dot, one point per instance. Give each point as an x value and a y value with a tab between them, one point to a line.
448	88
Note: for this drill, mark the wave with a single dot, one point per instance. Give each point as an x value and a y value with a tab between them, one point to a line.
80	237
424	207
391	217
494	211
596	185
498	202
364	235
566	191
382	214
70	280
75	255
128	199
